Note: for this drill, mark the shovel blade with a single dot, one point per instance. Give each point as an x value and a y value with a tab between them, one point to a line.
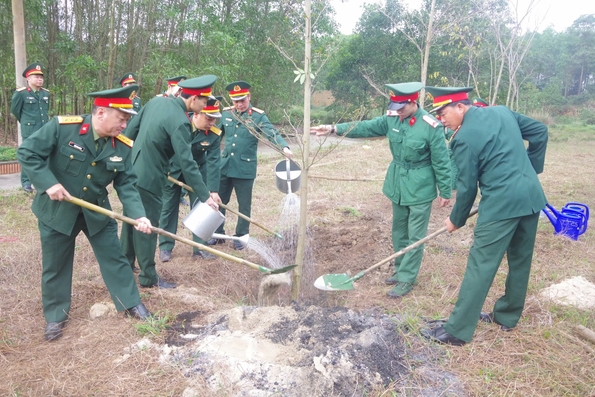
277	271
334	282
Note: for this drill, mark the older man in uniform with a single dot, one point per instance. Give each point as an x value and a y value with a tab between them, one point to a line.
173	89
489	149
81	155
206	143
419	168
164	130
242	125
130	79
30	105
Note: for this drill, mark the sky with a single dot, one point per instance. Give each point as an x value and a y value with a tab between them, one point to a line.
559	14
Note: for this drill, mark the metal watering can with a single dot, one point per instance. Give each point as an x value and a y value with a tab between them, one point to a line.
571	221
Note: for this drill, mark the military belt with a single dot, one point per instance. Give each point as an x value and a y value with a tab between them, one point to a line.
406	165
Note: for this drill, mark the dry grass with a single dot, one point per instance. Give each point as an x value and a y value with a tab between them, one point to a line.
541	357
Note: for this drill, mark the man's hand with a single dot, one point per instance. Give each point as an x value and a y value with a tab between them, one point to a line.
322	129
213	204
144	225
450	227
215	197
287	152
442	202
57	192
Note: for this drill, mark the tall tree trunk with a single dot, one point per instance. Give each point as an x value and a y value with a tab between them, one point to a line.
303	224
20	49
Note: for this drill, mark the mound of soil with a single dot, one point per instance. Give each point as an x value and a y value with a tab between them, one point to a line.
299	351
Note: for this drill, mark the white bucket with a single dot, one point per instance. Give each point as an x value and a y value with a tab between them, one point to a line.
203	220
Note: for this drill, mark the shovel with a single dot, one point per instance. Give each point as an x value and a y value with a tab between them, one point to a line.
165	233
182	184
342	282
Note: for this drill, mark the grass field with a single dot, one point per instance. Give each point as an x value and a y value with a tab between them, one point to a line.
349	222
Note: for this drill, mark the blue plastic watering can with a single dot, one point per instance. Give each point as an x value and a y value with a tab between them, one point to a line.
571	221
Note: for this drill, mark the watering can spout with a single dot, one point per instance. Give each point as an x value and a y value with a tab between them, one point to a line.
553	216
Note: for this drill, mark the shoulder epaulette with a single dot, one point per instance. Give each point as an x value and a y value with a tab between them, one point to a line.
45	89
21	89
215	130
257	110
228	108
431	121
70	119
125	140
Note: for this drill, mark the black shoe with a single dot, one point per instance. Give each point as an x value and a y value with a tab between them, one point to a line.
161	284
165	256
139	311
392	280
204	255
53	331
439	335
135	269
215	241
185	202
237	245
28	188
489	318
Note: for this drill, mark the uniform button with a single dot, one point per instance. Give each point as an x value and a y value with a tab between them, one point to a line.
233	144
115	170
237	126
248	160
89	176
71	156
85	189
93	164
232	154
235	135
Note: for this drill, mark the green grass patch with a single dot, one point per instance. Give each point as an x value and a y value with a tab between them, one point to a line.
7	153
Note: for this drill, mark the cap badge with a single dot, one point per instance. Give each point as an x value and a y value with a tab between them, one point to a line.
391	93
216	104
38	67
130	76
237	88
131	97
182	79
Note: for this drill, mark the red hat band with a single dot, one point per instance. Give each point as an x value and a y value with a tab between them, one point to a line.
404	98
125	103
197	91
239	92
450	98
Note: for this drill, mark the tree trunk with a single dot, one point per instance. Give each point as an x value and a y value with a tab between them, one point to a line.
303	224
20	49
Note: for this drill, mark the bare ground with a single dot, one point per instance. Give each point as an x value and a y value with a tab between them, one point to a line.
330	343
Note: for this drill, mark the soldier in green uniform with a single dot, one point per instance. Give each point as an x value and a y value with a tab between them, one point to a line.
173	89
81	155
242	124
30	105
489	149
206	143
164	130
419	168
129	79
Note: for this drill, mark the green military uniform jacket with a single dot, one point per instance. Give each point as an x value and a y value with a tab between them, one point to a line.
238	159
206	149
162	129
489	150
31	109
420	157
64	152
